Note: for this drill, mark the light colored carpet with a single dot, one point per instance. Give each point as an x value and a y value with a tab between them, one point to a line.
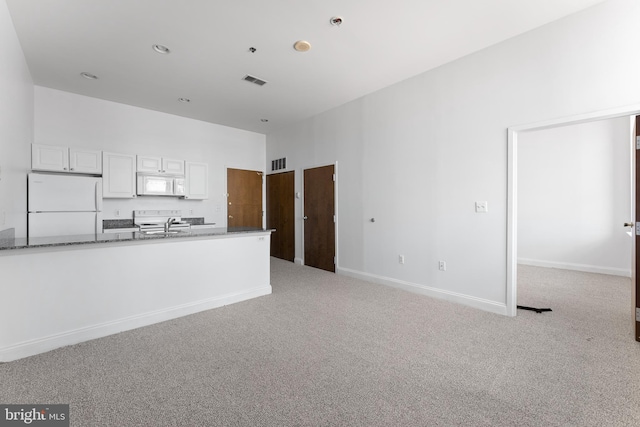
328	350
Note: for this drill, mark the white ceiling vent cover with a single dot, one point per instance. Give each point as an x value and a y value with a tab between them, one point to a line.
255	80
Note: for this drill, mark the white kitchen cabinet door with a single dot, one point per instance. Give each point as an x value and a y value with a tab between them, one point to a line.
49	158
118	176
150	164
85	161
196	181
172	166
153	164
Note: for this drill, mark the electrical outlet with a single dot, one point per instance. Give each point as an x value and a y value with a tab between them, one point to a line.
117	212
401	259
442	265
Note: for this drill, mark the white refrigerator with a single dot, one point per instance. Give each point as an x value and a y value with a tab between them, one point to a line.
64	205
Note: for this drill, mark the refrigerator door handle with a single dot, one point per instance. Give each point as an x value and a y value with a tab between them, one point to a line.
98	196
98	226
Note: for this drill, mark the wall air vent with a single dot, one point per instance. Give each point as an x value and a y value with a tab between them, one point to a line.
278	164
255	80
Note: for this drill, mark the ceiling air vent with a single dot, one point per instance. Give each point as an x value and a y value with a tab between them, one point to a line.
255	80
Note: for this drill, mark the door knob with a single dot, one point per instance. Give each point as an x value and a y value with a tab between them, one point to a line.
230	216
629	224
305	217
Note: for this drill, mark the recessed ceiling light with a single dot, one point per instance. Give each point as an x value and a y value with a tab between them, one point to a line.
89	76
264	120
302	45
161	49
185	100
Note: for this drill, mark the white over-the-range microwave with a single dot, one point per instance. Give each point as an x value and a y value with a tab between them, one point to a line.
160	185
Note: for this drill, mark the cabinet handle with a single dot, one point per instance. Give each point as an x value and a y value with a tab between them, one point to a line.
64	169
70	169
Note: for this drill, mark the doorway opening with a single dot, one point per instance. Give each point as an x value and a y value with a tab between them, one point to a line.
574	197
512	189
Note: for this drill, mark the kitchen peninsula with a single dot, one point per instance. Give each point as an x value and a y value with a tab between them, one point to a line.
62	291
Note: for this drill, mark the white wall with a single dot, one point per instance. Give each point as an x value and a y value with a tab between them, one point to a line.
574	196
63	118
16	126
84	292
418	154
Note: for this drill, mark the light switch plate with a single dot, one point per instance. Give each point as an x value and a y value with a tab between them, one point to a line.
482	207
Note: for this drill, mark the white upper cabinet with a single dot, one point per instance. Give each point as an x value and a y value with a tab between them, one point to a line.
154	164
85	161
49	158
172	166
64	159
197	181
119	176
149	164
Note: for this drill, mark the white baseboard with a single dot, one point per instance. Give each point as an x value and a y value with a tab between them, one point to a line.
482	304
41	345
576	267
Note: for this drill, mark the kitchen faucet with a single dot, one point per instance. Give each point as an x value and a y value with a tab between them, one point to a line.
167	225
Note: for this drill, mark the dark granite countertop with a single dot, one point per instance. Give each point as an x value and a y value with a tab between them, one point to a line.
41	242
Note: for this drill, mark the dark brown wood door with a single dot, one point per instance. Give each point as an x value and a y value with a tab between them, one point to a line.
244	204
319	224
281	214
636	283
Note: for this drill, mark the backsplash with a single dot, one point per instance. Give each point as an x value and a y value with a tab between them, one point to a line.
194	221
7	237
108	224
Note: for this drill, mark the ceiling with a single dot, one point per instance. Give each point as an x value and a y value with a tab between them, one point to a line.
379	42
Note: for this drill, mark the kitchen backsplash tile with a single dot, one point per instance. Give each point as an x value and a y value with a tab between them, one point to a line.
108	224
194	221
7	237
